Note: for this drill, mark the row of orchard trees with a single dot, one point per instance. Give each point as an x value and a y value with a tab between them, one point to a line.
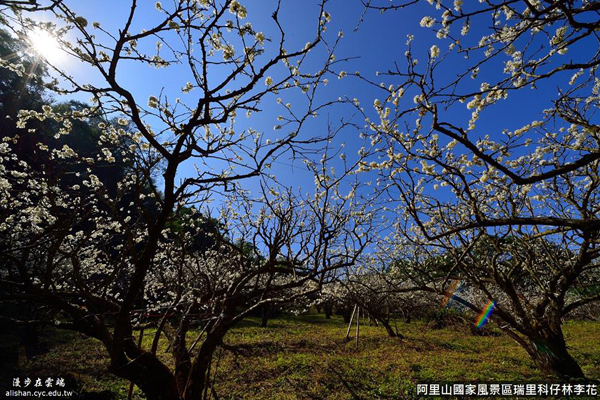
101	231
515	273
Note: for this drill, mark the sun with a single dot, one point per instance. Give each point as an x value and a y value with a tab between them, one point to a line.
46	45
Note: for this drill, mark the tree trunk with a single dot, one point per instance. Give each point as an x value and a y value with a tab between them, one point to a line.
265	311
201	366
328	310
389	329
347	314
551	356
373	320
154	379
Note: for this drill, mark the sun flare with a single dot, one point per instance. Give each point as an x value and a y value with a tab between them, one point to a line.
46	45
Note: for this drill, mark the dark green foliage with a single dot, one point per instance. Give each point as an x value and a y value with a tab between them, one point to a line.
19	92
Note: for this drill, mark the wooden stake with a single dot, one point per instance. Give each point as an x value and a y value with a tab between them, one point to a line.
350	324
357	325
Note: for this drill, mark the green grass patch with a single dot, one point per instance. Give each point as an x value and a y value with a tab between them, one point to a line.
306	357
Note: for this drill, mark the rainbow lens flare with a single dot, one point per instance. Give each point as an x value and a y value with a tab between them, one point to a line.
485	313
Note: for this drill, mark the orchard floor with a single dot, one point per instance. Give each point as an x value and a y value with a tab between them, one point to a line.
305	357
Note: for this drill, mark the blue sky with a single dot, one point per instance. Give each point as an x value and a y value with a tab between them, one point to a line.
375	46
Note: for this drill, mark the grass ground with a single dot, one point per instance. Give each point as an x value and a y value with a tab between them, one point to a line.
305	357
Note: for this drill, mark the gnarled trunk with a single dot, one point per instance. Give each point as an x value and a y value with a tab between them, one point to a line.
549	352
199	379
153	378
158	382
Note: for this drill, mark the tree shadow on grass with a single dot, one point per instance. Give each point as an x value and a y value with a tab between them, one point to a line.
351	385
359	388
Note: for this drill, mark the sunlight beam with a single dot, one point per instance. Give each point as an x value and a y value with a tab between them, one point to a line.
45	44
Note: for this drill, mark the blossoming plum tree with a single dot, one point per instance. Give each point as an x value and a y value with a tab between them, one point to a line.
525	184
